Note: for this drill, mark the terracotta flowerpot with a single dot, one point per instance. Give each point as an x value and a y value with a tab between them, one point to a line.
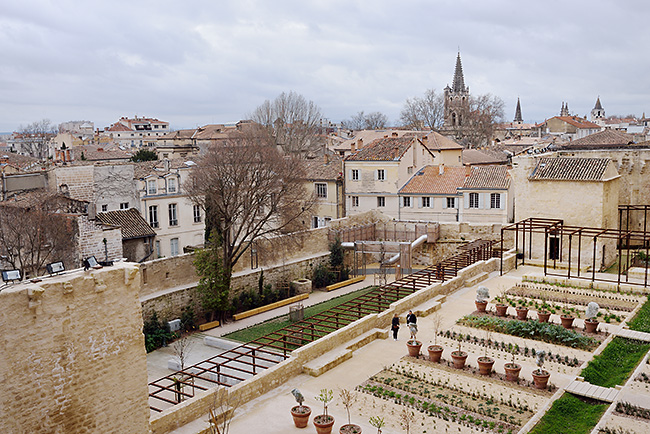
324	424
435	353
512	371
522	313
501	309
459	358
350	428
485	365
481	305
567	321
540	379
414	347
543	316
591	325
300	415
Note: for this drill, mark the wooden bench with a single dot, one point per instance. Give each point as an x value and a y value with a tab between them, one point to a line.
271	306
208	325
334	286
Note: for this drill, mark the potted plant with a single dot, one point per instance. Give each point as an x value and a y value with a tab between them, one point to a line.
485	363
459	357
540	376
435	350
501	306
567	319
522	310
482	295
512	369
348	399
300	412
591	323
324	422
543	314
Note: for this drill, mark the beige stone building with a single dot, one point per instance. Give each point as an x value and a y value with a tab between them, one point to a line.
166	206
325	181
376	172
572	127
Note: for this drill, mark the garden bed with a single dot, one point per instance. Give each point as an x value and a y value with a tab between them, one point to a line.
615	364
546	332
570	414
455	396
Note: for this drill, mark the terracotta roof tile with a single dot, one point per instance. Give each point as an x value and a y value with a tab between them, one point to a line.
317	169
569	169
578	122
429	181
484	156
489	177
384	149
436	141
132	223
601	139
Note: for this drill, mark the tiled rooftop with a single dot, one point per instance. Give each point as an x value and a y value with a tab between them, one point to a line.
491	177
569	169
429	180
132	223
384	149
601	139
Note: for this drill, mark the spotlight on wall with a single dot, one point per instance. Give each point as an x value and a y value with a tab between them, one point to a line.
10	275
55	267
91	262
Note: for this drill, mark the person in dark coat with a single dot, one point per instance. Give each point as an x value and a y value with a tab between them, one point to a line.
411	322
395	326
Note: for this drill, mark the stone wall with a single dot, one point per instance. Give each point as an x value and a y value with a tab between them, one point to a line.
73	358
91	240
166	273
78	179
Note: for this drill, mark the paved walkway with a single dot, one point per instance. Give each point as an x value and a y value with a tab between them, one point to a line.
633	334
582	388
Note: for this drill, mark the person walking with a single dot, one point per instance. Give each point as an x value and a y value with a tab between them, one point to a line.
411	322
395	326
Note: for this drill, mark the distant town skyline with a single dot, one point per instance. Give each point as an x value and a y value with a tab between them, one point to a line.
197	63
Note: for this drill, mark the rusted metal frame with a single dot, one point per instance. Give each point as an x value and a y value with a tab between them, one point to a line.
501	255
237	359
253	349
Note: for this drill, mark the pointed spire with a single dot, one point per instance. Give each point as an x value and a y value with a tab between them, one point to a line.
459	79
518	112
598	106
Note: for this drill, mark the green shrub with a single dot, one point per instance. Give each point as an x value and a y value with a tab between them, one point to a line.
641	321
156	334
615	364
322	276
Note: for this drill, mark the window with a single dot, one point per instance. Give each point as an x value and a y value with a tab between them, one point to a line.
314	222
426	202
153	216
158	249
171	185
355	174
381	201
355	200
381	175
321	189
451	202
409	170
173	244
197	214
124	205
151	186
104	208
473	200
495	200
173	220
406	201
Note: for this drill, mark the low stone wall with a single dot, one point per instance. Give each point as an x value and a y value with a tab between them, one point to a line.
271	378
165	273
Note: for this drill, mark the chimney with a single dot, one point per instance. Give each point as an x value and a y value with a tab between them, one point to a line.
441	169
326	158
166	165
395	134
360	143
353	147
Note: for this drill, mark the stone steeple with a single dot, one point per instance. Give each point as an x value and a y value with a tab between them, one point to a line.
518	117
598	112
459	79
565	109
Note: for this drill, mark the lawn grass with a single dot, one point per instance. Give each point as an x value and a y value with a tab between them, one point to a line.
615	364
257	331
641	321
570	414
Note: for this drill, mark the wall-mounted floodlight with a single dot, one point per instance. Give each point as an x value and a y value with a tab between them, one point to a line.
10	275
91	262
55	267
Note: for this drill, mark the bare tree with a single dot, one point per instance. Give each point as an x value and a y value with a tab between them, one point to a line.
293	122
485	112
248	190
427	112
34	138
370	121
35	232
222	410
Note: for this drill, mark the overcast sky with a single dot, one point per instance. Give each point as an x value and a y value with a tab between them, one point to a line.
196	62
